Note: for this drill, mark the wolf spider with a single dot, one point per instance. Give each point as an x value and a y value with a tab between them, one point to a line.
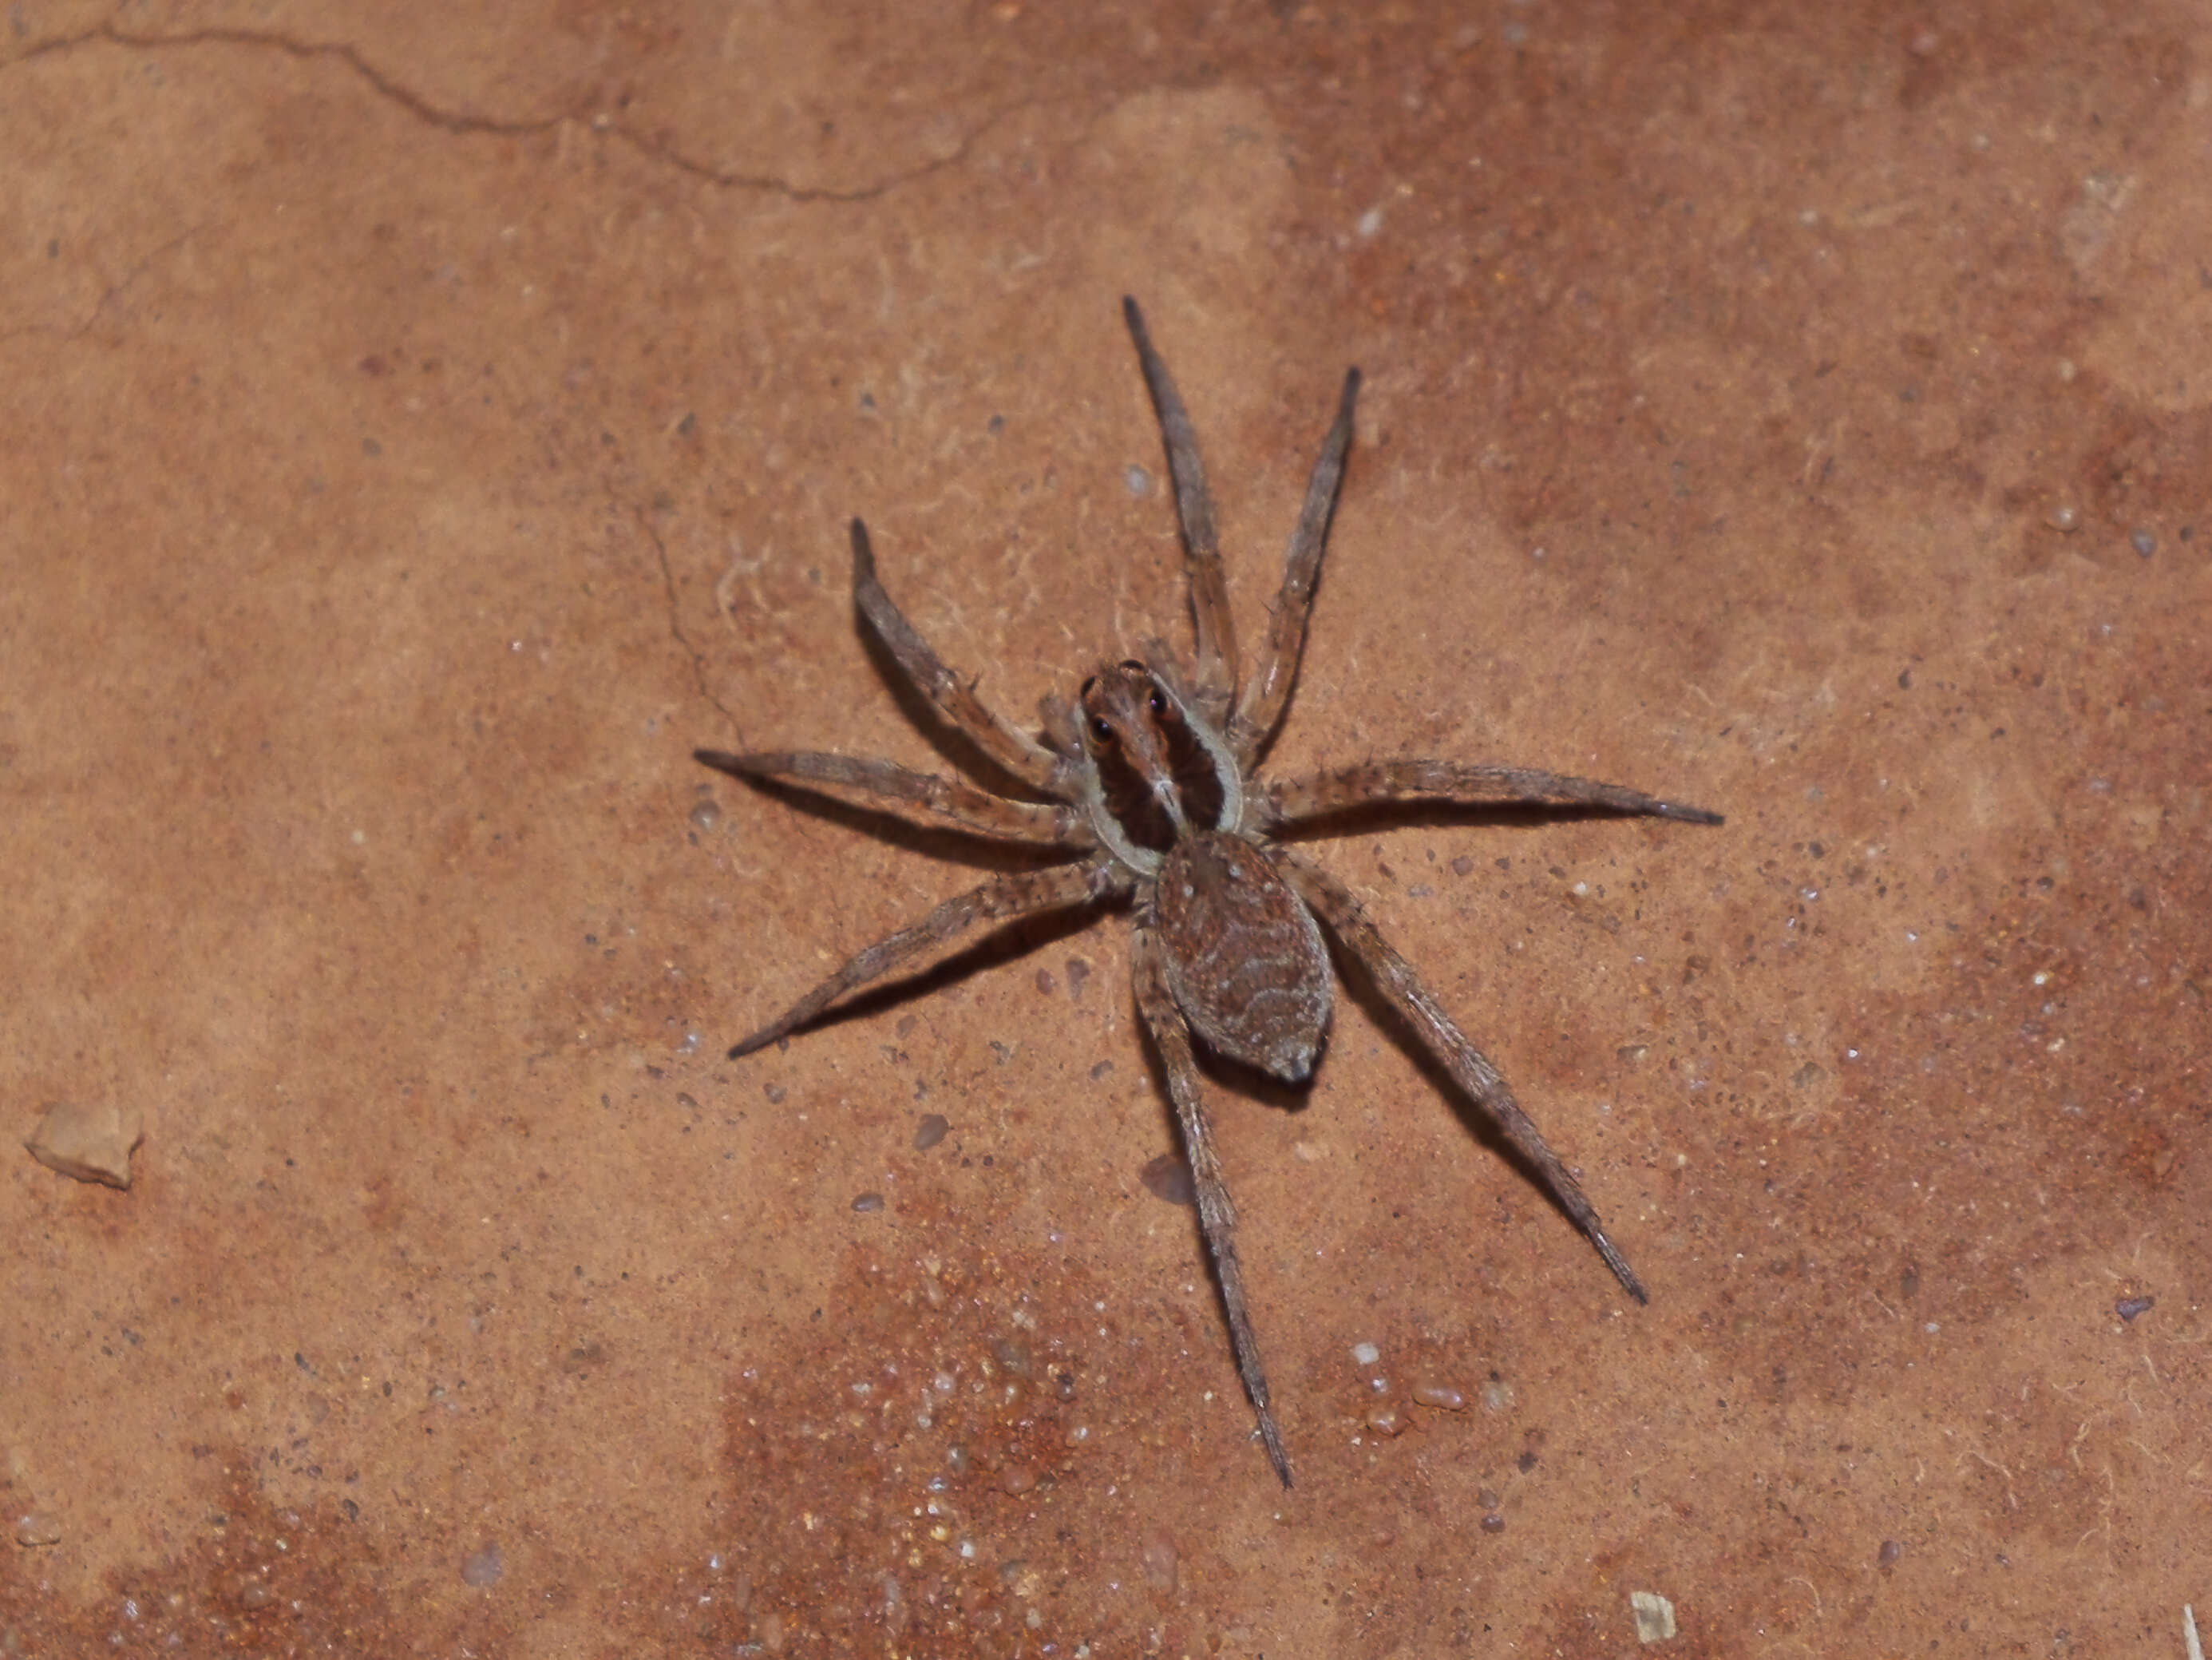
1151	790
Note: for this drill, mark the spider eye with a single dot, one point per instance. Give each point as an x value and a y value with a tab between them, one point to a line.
1102	730
1157	702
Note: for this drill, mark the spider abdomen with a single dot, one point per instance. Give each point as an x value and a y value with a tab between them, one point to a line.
1245	960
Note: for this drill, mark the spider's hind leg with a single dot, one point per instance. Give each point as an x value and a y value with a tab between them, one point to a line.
1470	1068
1216	1214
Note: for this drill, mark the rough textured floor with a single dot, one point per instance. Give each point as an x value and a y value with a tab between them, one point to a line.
424	426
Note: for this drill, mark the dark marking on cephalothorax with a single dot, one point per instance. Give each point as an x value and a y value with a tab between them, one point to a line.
1244	960
1137	735
1141	813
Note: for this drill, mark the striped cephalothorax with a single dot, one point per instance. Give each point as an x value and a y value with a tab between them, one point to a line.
1149	783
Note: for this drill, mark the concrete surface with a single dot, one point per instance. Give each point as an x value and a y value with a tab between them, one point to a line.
424	426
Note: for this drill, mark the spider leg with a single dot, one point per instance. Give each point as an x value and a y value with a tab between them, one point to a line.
1396	979
1216	1214
1018	895
1259	703
1209	587
1012	748
1294	801
886	787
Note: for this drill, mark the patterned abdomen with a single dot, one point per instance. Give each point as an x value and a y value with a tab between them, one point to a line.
1244	957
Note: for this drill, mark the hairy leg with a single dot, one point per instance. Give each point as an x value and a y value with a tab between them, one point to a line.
1008	897
1260	702
1012	748
1396	979
1292	800
1216	1214
1209	587
886	787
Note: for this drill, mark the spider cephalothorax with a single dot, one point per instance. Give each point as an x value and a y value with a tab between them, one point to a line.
1243	959
1149	784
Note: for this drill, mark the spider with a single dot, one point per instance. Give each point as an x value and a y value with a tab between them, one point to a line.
1152	796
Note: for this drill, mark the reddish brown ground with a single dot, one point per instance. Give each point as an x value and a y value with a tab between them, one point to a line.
425	425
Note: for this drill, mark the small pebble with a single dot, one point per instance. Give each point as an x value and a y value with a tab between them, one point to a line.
1159	1558
868	1201
36	1527
1654	1615
1439	1396
1387	1418
2064	520
1012	1355
88	1143
1063	1385
1890	1551
484	1568
934	1128
2143	542
1365	1354
705	816
1497	1394
2127	1307
1493	1523
1017	1479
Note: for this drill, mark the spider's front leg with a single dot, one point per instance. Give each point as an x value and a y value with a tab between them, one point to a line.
1216	629
998	738
886	787
1470	783
1216	1214
1396	979
1010	897
1260	701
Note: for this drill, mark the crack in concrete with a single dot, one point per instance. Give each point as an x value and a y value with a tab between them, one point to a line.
676	626
113	292
653	150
